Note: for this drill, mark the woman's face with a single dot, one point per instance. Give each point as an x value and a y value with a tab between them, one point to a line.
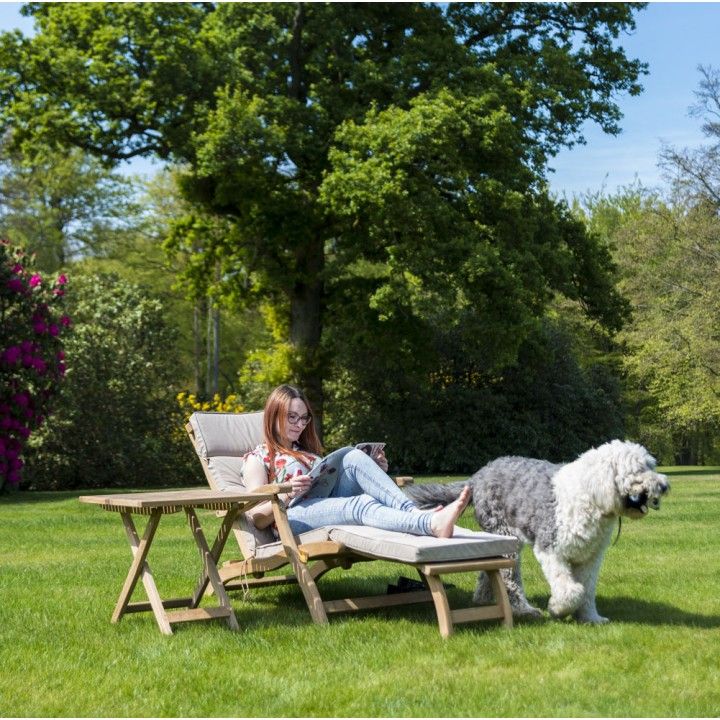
297	418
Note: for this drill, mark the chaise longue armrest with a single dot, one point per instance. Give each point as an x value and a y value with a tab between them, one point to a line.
273	489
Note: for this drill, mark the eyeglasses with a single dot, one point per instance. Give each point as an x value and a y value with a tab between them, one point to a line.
295	419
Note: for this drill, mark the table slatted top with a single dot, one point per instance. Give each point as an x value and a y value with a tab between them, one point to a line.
174	500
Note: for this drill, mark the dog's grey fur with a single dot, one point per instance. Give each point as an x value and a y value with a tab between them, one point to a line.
520	496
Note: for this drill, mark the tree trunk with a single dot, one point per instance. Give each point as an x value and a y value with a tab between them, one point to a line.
306	299
306	310
213	343
213	349
198	315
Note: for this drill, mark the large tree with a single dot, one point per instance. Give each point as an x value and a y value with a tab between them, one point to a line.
391	155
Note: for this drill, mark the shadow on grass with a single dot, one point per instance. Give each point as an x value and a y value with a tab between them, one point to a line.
634	610
690	471
33	497
288	609
644	612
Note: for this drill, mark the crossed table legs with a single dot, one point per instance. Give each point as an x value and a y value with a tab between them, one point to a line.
141	570
156	505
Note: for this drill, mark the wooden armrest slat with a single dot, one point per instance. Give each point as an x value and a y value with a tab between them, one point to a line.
272	489
322	548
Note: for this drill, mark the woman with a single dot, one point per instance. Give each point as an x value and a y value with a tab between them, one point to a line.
363	494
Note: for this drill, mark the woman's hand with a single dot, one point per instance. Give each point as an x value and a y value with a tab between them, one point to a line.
300	483
381	460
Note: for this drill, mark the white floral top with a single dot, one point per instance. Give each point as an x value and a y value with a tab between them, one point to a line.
285	466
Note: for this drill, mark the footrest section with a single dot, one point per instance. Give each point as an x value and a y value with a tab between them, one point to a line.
211	613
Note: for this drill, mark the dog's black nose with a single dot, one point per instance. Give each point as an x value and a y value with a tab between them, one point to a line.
664	487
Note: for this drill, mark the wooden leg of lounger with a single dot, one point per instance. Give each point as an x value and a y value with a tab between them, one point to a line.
210	571
310	592
140	568
442	608
501	597
302	571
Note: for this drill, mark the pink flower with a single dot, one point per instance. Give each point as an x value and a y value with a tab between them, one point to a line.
65	321
21	399
12	354
40	365
35	280
54	330
16	285
39	327
62	280
17	269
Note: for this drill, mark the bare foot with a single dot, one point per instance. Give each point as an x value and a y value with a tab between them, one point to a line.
442	523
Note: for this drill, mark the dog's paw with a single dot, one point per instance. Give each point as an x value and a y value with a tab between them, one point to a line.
591	619
527	612
566	601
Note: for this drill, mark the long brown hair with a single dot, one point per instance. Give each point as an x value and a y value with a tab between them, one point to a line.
277	407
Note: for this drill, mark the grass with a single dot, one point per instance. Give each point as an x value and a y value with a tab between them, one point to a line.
63	563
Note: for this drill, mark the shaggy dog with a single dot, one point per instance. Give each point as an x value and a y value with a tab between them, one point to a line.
566	512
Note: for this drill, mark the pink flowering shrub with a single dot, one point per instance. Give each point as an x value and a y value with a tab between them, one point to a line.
32	362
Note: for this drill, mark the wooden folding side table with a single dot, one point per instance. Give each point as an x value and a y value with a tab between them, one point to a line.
157	504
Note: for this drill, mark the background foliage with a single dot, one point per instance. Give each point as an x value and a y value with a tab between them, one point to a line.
32	359
315	137
667	247
355	201
110	426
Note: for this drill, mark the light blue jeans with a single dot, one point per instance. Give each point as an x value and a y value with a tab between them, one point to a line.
363	495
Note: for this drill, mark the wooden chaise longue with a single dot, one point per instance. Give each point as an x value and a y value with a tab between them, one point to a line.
222	439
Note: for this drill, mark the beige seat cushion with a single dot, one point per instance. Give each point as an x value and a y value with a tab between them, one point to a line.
227	472
403	547
222	439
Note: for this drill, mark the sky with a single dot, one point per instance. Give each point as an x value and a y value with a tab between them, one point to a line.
673	38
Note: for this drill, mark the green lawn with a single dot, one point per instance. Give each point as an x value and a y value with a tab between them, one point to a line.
63	564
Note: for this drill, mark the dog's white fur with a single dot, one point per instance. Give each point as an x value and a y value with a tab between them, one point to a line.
566	512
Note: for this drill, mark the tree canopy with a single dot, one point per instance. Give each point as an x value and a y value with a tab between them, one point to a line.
379	163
